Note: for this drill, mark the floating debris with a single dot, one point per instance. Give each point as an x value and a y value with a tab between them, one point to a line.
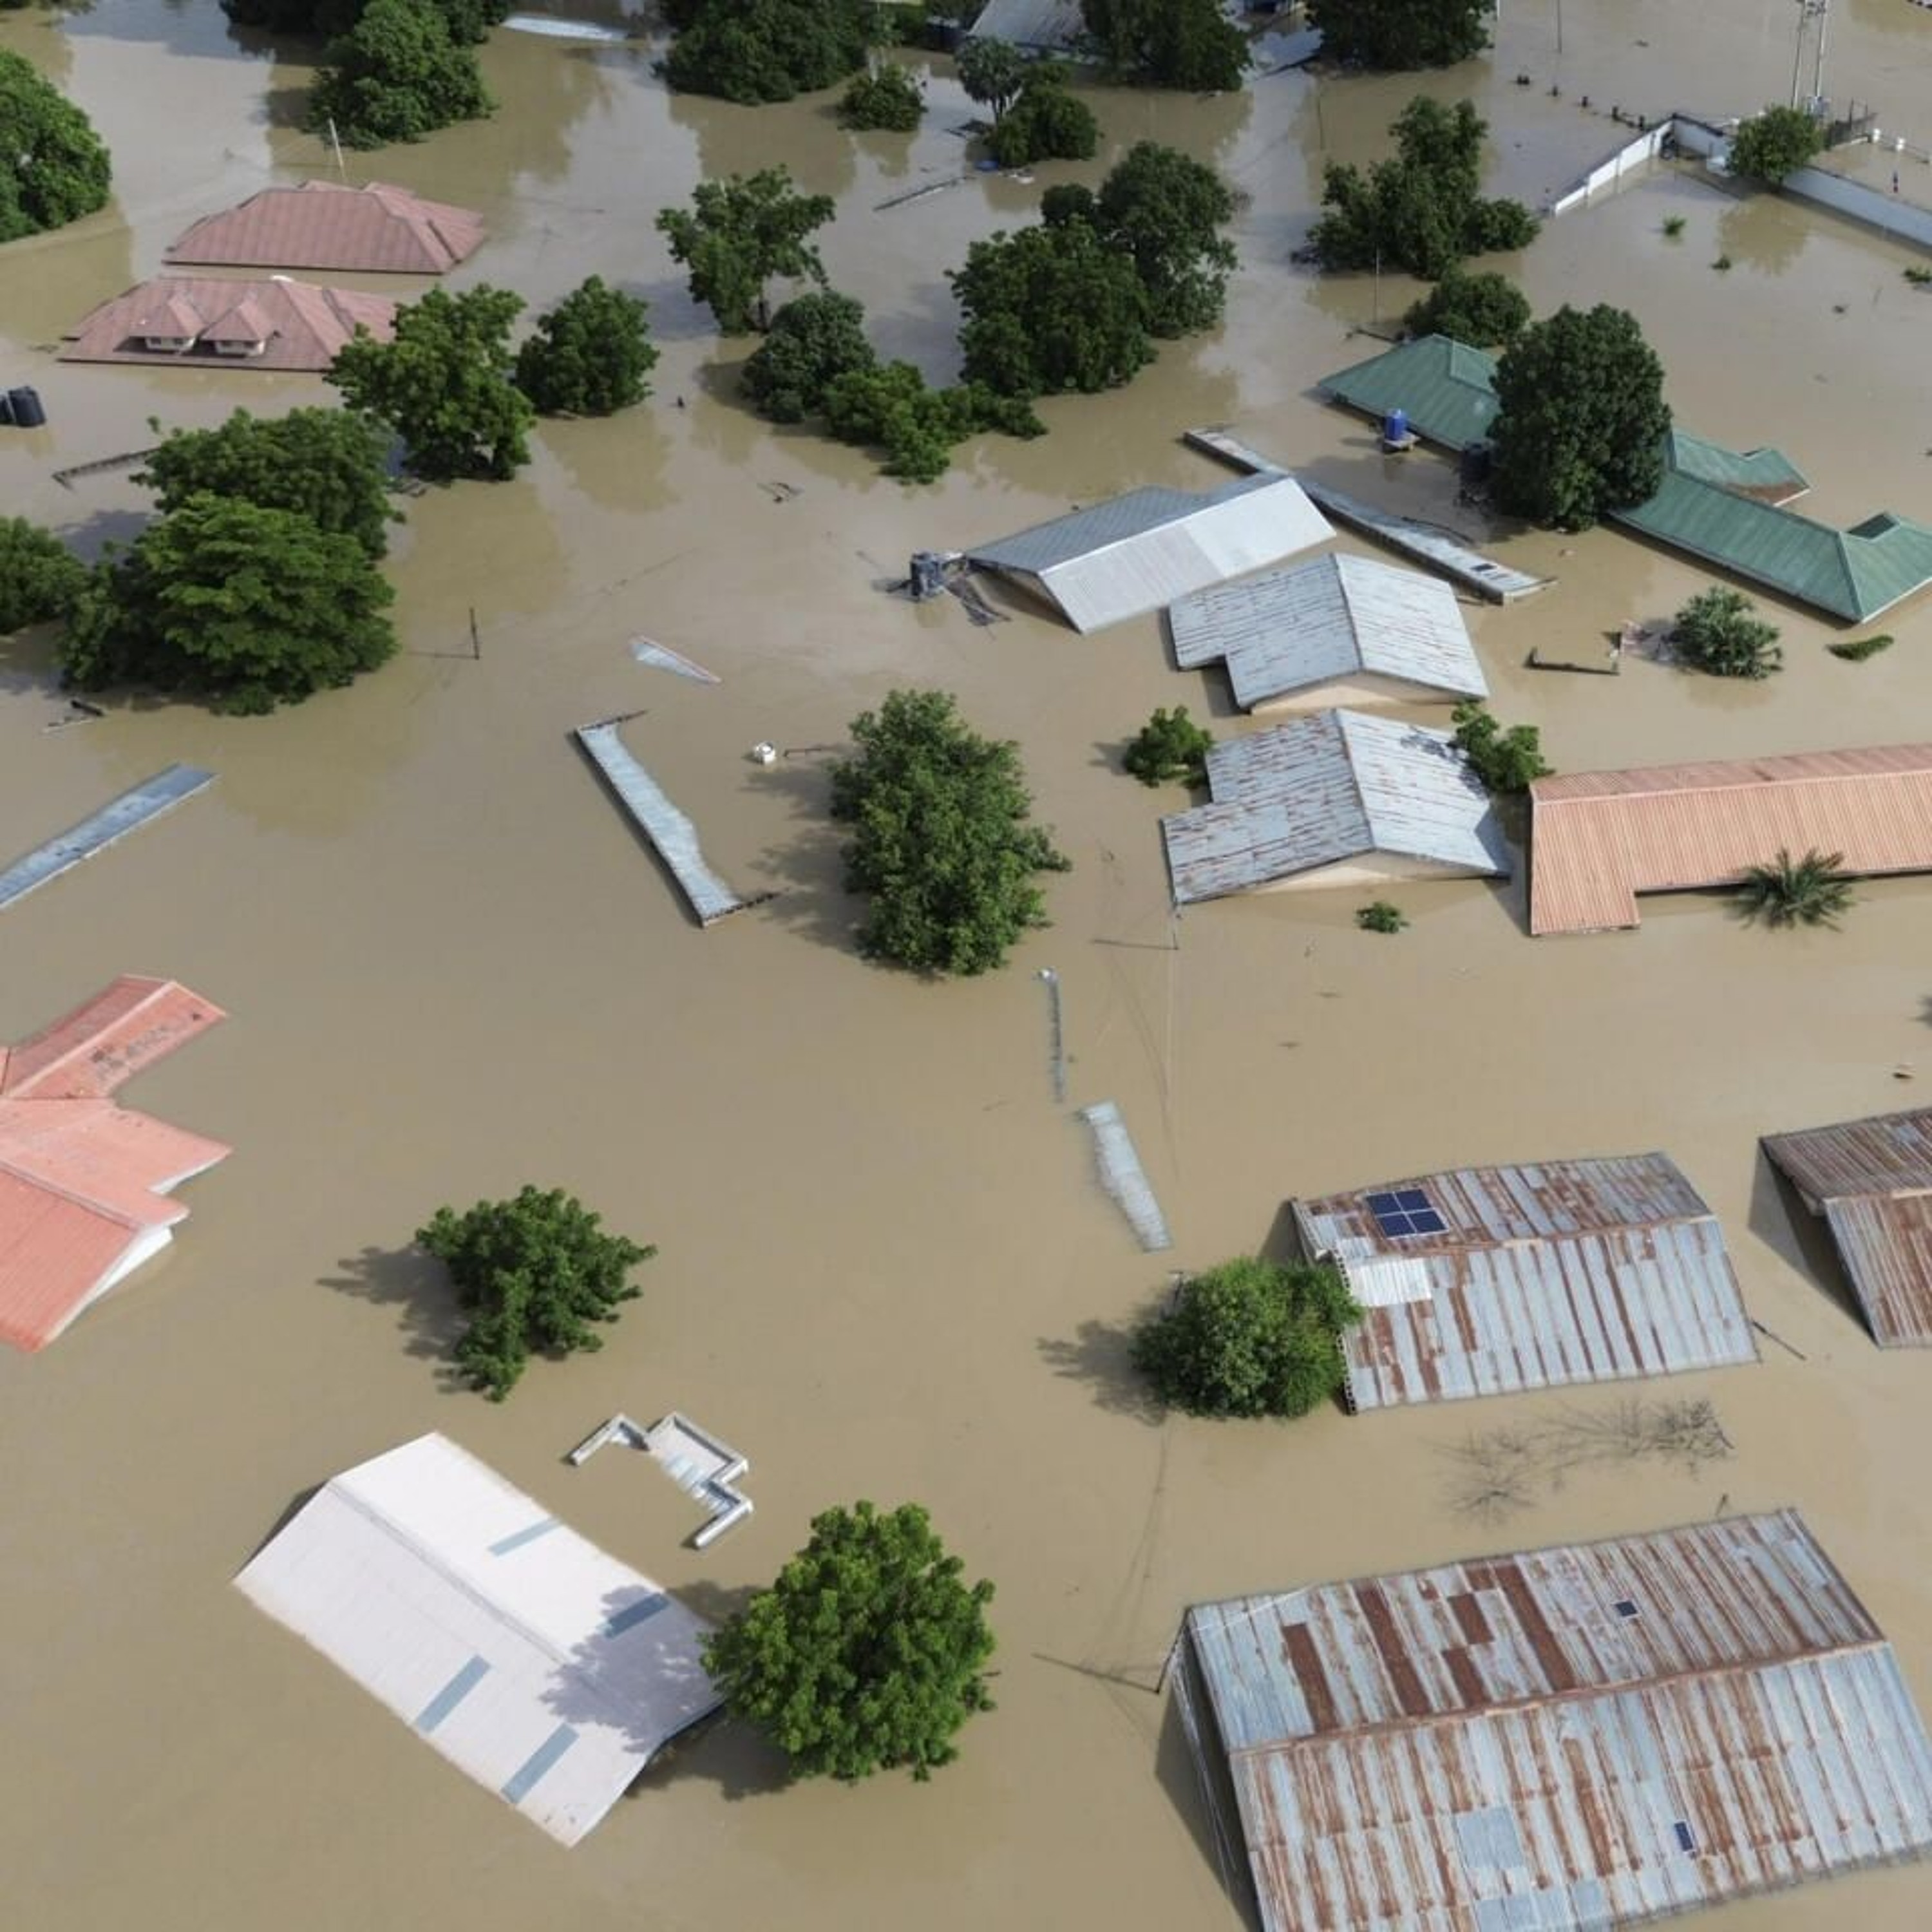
563	30
1050	979
149	799
648	651
1124	1178
698	1462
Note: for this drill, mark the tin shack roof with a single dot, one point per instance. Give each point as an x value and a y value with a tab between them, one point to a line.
1325	790
1599	838
376	228
1595	1735
1055	26
1335	617
1872	1180
1486	1280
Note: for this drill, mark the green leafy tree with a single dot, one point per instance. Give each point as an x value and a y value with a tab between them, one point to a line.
1381	916
1249	1338
1169	745
892	407
469	21
1166	210
1770	145
40	577
750	51
329	464
397	75
538	1273
884	96
812	341
868	1653
941	838
1580	420
1719	631
1810	891
1506	761
245	605
1400	33
444	385
1050	309
1047	122
991	71
591	355
1189	44
53	167
1482	309
738	234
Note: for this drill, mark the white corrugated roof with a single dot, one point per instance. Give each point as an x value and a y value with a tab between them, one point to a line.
1333	617
547	1670
1030	23
1137	552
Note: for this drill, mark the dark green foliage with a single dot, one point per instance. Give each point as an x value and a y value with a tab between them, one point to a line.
1919	277
245	605
1581	419
1249	1338
537	1272
1166	210
1400	33
1380	916
1181	44
590	355
469	21
444	384
1421	210
1810	891
327	463
885	97
1673	226
1169	745
1051	309
757	50
1769	145
1482	309
891	408
53	167
869	1651
40	577
397	75
737	235
1718	632
812	341
1047	122
1505	761
1855	650
991	71
941	839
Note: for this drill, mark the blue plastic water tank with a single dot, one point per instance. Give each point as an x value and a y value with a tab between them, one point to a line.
1395	426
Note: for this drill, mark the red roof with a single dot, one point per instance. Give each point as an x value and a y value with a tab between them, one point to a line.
303	324
83	1181
376	230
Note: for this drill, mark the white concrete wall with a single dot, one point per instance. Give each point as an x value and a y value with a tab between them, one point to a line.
1903	219
1368	689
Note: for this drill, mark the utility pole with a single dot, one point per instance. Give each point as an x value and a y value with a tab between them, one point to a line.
334	142
1818	71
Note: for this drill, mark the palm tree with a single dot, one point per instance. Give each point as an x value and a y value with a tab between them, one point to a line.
1810	891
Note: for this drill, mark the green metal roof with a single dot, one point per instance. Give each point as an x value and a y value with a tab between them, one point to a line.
1447	388
1768	471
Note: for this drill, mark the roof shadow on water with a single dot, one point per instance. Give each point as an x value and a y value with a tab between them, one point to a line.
1780	1219
1177	1771
417	1286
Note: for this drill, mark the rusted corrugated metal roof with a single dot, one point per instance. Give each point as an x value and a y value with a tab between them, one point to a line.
1599	838
1530	1277
373	229
1872	1180
1590	1736
88	1053
304	325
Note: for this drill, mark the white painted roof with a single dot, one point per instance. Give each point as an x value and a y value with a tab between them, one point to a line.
548	1671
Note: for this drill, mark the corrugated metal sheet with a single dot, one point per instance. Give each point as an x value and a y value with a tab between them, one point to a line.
1599	838
1139	551
1872	1180
1447	389
88	1053
548	1671
1766	473
1590	1736
1326	789
1054	25
1331	618
376	228
1541	1276
307	324
100	829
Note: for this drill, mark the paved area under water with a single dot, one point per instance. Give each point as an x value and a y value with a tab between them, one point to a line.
886	1269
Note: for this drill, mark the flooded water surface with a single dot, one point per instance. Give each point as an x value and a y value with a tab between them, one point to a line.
886	1268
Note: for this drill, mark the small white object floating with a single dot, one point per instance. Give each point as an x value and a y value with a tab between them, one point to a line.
552	28
763	754
648	651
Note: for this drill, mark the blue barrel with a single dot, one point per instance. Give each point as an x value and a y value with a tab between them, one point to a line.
25	405
1395	426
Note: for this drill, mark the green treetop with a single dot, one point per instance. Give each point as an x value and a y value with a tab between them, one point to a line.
40	577
397	75
1188	44
758	50
590	355
1506	761
813	341
53	167
1719	631
1169	745
1397	34
884	96
1166	210
738	234
1047	121
1770	145
1481	310
992	72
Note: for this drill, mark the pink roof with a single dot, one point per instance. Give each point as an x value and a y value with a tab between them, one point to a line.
83	1181
174	315
376	230
304	324
247	321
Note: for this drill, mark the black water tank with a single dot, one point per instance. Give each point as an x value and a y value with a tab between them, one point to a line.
6	409
1475	465
25	405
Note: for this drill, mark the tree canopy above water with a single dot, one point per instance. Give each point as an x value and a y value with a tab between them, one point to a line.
53	167
1399	34
397	75
738	234
752	51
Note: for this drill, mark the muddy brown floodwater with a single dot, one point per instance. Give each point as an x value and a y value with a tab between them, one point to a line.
886	1270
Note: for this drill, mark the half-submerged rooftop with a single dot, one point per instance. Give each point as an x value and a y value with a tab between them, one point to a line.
375	230
1871	1179
1598	839
1134	553
1589	1736
1337	629
205	321
1339	798
1488	1280
549	1671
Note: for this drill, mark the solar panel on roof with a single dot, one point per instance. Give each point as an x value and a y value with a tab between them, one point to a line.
1404	1212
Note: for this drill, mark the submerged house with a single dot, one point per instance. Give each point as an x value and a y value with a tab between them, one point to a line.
1134	553
1336	630
275	324
1598	839
1590	1736
1340	798
1871	1180
549	1671
1488	1280
374	230
84	1183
